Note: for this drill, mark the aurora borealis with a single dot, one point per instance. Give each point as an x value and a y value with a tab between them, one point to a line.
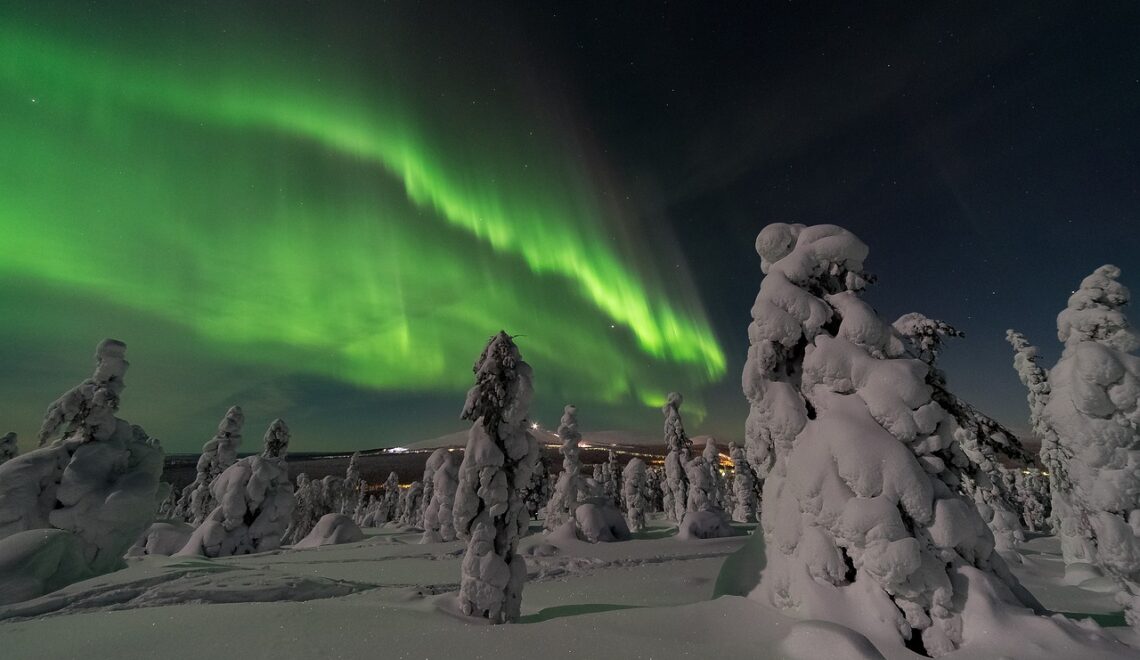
322	219
321	210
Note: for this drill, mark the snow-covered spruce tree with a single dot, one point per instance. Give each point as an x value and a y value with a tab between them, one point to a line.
438	525
537	493
564	500
390	501
255	503
218	453
307	510
862	515
8	449
1033	493
711	455
981	438
93	488
1093	409
704	518
497	465
654	497
429	483
611	475
353	486
679	446
410	504
745	505
633	492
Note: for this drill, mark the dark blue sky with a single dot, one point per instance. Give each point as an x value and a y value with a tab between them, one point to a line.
988	153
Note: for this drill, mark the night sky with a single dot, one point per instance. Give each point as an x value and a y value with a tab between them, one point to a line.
321	211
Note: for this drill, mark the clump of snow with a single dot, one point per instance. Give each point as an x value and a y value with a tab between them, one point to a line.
438	525
331	529
564	500
255	503
497	465
218	453
164	537
599	521
810	640
97	484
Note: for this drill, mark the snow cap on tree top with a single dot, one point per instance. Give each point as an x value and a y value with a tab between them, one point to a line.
276	440
1093	313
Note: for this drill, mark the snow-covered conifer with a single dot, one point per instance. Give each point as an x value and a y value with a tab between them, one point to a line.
307	509
743	487
438	525
538	490
564	500
654	497
410	504
96	484
497	464
862	505
711	455
8	448
218	453
390	502
679	446
255	503
1093	412
633	492
353	486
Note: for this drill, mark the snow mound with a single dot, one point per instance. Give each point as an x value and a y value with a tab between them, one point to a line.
164	537
809	640
705	525
331	529
601	522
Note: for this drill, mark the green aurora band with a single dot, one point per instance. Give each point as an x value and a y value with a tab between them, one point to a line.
326	222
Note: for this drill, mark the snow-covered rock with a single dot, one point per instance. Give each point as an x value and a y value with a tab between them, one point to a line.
163	537
600	521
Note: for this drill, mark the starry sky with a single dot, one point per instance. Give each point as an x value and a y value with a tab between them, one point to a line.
321	211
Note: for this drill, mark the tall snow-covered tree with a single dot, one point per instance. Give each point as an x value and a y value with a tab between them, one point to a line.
255	503
410	504
745	505
633	492
438	525
91	485
497	465
564	501
8	448
218	453
353	485
680	450
1093	412
307	510
862	505
711	454
390	501
538	491
982	439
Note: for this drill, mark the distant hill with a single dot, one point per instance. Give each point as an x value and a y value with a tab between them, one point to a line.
589	438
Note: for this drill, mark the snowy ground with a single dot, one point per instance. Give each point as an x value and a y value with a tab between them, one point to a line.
388	596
